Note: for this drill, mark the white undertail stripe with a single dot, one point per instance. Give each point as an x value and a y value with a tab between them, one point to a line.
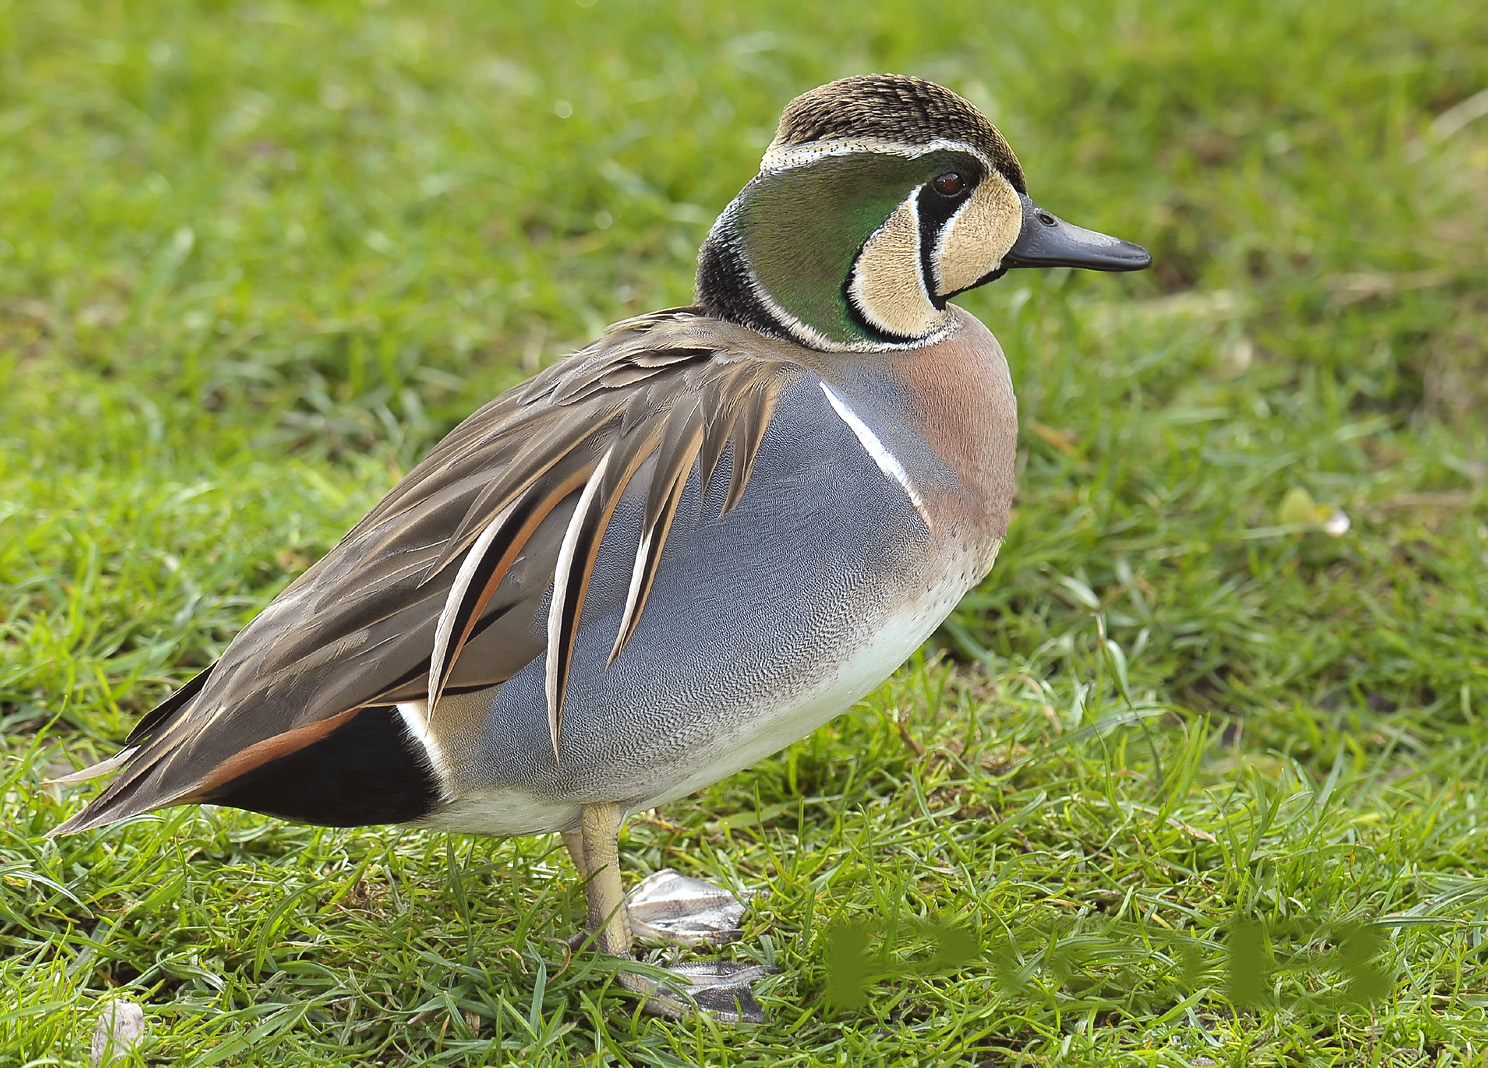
886	461
415	716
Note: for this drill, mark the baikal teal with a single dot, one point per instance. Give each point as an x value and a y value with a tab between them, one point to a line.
668	555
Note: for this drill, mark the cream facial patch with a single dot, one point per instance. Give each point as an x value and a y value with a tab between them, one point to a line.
888	287
974	239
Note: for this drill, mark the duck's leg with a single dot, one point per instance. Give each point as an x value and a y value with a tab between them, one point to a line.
720	988
598	860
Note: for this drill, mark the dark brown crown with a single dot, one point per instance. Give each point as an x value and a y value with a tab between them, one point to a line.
895	108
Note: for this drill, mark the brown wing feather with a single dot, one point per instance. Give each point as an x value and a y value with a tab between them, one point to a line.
638	409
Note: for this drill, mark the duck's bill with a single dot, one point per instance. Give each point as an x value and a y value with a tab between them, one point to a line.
1048	241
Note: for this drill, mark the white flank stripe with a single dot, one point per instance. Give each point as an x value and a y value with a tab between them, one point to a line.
887	462
560	582
444	627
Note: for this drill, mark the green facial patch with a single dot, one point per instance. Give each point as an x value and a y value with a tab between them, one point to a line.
800	229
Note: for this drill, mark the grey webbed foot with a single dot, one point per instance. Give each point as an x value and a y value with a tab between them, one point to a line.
671	907
720	988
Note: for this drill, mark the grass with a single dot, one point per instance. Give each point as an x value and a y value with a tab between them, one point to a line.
1188	781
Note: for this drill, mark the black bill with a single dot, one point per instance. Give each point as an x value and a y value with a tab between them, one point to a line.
1048	241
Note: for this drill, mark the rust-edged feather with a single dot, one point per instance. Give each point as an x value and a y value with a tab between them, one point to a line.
440	587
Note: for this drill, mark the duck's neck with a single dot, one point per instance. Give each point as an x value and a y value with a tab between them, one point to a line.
725	289
810	254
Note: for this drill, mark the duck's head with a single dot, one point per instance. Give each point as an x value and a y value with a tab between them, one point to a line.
882	197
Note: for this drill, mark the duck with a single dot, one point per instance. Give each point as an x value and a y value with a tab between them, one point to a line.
669	554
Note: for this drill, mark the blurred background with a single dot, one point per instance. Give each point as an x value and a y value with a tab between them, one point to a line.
256	257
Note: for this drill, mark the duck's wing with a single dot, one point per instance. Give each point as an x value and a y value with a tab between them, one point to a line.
459	558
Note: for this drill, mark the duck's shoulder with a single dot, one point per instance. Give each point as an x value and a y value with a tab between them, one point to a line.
944	414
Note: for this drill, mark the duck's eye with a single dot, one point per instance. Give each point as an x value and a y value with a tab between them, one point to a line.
949	184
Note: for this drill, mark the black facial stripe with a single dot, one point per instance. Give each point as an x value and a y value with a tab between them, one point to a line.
991	276
935	211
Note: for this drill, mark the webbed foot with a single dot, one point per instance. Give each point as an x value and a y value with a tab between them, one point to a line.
721	988
671	907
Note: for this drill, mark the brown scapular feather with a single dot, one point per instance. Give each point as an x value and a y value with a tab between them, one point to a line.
634	413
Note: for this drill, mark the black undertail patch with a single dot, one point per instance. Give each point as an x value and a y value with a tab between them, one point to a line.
367	771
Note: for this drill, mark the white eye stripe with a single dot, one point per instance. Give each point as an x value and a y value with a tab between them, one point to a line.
887	462
785	157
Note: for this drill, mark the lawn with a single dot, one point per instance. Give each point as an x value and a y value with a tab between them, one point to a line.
1195	778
